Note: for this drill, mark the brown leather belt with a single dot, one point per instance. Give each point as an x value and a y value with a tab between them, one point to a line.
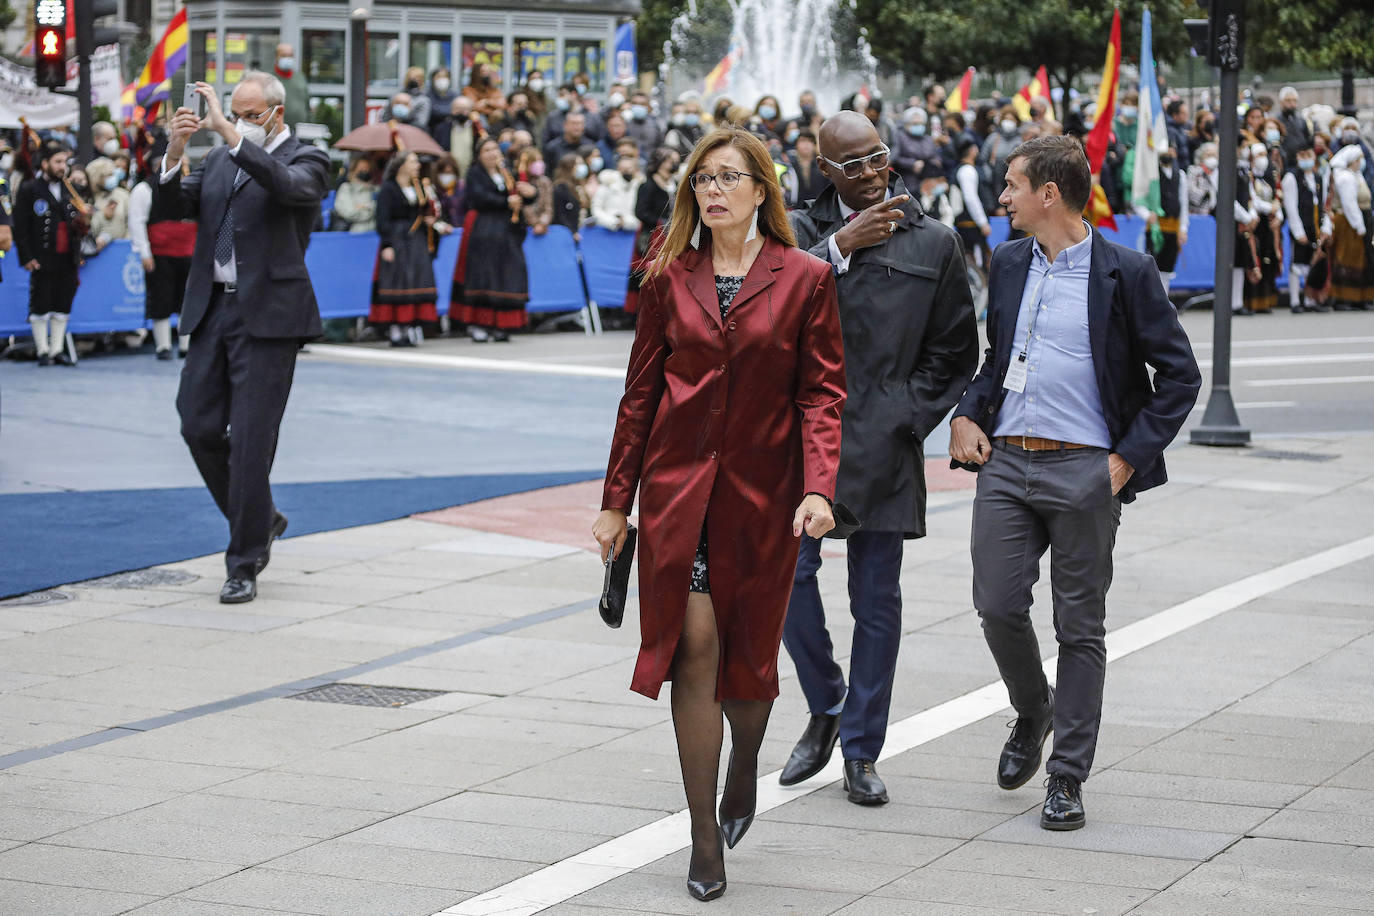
1036	444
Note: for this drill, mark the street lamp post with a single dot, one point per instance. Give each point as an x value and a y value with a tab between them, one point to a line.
359	11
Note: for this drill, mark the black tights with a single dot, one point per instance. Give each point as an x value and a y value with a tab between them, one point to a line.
700	732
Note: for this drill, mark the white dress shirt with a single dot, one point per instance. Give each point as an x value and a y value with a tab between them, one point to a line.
226	273
140	205
840	262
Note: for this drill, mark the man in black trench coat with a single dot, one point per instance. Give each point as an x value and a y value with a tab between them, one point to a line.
910	347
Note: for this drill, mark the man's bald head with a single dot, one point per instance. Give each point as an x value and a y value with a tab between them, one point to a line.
845	132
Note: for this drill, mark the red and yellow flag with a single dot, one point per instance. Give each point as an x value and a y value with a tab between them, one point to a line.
718	80
154	84
1099	212
1037	87
958	99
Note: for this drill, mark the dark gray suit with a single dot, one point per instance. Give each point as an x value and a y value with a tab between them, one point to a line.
242	356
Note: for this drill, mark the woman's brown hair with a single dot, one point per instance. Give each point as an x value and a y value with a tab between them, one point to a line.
687	212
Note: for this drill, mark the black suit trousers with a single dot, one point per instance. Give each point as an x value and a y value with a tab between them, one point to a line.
233	394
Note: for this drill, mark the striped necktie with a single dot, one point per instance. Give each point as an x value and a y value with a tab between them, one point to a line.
224	237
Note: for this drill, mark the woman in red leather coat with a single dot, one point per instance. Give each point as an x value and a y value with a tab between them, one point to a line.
730	429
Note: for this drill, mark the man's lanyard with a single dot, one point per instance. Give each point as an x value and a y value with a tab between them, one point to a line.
1016	372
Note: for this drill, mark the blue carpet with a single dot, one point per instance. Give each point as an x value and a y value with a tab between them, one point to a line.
50	539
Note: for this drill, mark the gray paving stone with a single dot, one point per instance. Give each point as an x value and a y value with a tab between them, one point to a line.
1050	862
643	892
1014	894
52	900
830	807
208	620
787	838
1181	903
105	769
1171	812
345	858
1351	828
550	781
251	813
483	730
159	876
180	906
1216	789
1339	877
326	895
1231	766
143	834
518	811
359	794
18	822
1105	836
403	768
885	906
608	714
1357	776
516	843
1332	748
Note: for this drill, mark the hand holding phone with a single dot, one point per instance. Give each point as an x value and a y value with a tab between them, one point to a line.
194	101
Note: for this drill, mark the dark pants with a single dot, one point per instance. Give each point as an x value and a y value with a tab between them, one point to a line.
52	290
233	393
875	601
1027	502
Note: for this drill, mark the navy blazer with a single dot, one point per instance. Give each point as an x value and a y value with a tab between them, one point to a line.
1132	328
273	215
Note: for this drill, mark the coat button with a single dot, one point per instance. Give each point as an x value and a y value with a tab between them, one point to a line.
732	325
722	367
713	455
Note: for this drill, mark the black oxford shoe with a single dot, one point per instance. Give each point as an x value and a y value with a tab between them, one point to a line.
813	751
278	529
238	591
1023	751
862	782
1063	804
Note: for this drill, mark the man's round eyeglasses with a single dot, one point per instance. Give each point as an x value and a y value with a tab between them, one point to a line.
726	181
854	168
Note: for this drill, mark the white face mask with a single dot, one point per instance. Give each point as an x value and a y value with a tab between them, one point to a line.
255	134
448	180
6	161
615	100
442	84
1211	163
111	183
536	85
580	171
1007	125
286	64
110	147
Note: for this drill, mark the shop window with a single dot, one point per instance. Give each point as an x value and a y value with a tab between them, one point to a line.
533	54
383	59
583	55
204	53
322	56
482	50
430	52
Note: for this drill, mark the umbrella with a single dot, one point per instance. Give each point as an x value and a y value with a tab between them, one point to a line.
376	138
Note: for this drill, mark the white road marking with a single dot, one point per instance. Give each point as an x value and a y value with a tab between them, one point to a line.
577	874
1318	380
444	361
1313	359
1287	342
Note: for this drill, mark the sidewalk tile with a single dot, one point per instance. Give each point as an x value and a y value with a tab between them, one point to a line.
1106	836
1007	894
51	900
326	895
111	871
345	858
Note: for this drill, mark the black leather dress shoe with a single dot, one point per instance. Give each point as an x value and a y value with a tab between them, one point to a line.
862	782
813	751
1063	804
238	591
278	528
1022	753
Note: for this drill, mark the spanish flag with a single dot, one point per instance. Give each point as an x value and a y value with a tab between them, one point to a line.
1099	211
1038	87
718	80
154	84
958	99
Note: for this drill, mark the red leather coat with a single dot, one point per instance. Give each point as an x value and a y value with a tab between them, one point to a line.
727	424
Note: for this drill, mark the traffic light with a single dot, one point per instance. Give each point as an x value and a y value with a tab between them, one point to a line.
50	43
88	37
1225	32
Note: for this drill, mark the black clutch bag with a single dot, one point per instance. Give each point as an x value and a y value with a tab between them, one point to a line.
617	584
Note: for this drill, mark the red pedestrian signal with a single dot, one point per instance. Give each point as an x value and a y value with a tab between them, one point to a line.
50	43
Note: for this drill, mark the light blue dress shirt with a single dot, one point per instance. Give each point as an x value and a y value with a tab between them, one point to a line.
1061	400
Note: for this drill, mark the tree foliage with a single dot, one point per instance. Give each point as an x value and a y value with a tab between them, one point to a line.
1321	34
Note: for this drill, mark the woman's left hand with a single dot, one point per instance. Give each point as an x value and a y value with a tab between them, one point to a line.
813	516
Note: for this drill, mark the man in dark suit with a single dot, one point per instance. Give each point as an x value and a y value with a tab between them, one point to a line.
48	225
248	304
910	343
1063	424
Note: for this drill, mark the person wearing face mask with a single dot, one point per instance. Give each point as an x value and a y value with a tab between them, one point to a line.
248	304
1297	127
1202	181
1261	292
1345	133
682	137
615	132
162	238
1168	230
653	210
490	283
406	108
49	223
104	139
998	147
914	153
805	165
573	138
110	203
287	69
570	197
1352	231
613	205
355	203
643	126
1204	131
529	169
768	111
517	114
935	198
408	223
440	96
1302	205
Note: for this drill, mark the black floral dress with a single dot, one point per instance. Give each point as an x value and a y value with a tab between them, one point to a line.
727	288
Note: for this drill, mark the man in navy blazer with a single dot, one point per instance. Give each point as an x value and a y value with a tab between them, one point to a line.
1064	424
248	304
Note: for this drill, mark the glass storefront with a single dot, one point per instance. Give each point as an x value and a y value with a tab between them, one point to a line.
430	52
534	54
384	59
323	56
584	55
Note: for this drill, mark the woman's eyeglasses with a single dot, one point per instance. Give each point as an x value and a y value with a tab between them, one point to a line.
726	181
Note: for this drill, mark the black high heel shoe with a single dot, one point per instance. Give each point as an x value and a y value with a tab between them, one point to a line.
706	891
733	829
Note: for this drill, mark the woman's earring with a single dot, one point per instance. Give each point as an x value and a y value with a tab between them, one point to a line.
696	236
753	227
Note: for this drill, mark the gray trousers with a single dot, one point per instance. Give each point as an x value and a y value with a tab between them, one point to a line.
1027	502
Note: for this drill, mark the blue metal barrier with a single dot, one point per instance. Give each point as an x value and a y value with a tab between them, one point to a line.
110	297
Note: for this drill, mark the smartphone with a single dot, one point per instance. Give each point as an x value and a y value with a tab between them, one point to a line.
194	100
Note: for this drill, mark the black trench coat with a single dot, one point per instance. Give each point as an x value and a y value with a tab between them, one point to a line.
910	348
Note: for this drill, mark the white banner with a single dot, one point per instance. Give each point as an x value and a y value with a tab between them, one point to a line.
20	96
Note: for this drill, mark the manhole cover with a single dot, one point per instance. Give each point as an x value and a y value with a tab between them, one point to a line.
1281	455
366	695
143	578
33	599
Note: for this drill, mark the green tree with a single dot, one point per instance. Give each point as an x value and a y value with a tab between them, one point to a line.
7	14
1334	35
